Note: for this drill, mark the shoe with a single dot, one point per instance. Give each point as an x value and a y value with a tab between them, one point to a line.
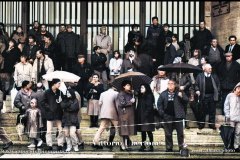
169	150
110	147
40	143
75	148
128	149
237	150
32	146
7	145
142	149
97	146
68	149
81	146
49	148
59	148
150	149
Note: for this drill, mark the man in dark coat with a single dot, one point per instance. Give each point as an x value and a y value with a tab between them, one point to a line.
229	75
59	51
51	102
154	33
170	53
85	71
171	108
203	37
208	87
233	47
70	48
35	31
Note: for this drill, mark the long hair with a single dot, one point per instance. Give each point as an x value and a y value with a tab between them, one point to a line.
148	90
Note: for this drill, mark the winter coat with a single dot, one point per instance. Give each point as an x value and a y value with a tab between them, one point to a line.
10	59
235	51
84	71
52	108
40	97
228	78
202	39
108	105
30	51
126	114
179	102
22	100
144	113
22	72
128	66
200	85
48	65
70	109
232	107
70	45
89	91
98	62
34	122
153	34
170	54
103	41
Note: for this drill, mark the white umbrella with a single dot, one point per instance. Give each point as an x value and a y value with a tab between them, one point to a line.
62	75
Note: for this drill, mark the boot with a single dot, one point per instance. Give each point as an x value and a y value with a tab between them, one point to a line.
96	121
69	144
91	121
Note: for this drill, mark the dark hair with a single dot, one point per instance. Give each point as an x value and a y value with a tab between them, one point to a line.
202	21
14	42
95	48
148	90
186	36
175	36
24	55
134	25
168	40
166	25
155	17
232	36
32	37
117	51
125	82
25	83
95	74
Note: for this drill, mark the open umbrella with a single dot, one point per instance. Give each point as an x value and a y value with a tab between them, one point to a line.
137	78
180	68
62	75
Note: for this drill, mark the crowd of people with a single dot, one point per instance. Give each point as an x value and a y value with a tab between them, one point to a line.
26	57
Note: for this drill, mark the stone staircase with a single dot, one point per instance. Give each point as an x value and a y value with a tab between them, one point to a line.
207	139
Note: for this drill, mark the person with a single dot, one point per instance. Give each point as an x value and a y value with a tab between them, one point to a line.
104	41
203	37
108	116
48	47
39	94
185	45
22	100
51	103
93	92
19	36
41	65
98	62
233	47
35	31
23	71
232	112
170	53
30	49
144	116
70	49
3	135
171	108
132	34
175	42
229	75
125	103
154	35
84	70
115	65
44	32
34	123
195	60
208	87
215	54
59	49
70	119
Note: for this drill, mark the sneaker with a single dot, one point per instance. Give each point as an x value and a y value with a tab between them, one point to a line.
40	143
32	146
68	149
75	148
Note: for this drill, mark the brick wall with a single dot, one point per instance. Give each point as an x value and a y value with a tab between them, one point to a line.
225	25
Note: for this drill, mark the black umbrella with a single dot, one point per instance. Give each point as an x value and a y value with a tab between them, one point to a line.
137	78
180	68
227	134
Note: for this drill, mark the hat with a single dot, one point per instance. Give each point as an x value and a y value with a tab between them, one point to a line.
228	54
159	67
238	85
55	80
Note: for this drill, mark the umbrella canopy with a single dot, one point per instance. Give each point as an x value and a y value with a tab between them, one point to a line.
137	78
62	75
180	68
227	134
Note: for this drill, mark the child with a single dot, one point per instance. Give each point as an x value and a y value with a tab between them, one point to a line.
34	123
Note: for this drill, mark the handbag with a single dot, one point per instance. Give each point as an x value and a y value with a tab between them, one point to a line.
20	129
